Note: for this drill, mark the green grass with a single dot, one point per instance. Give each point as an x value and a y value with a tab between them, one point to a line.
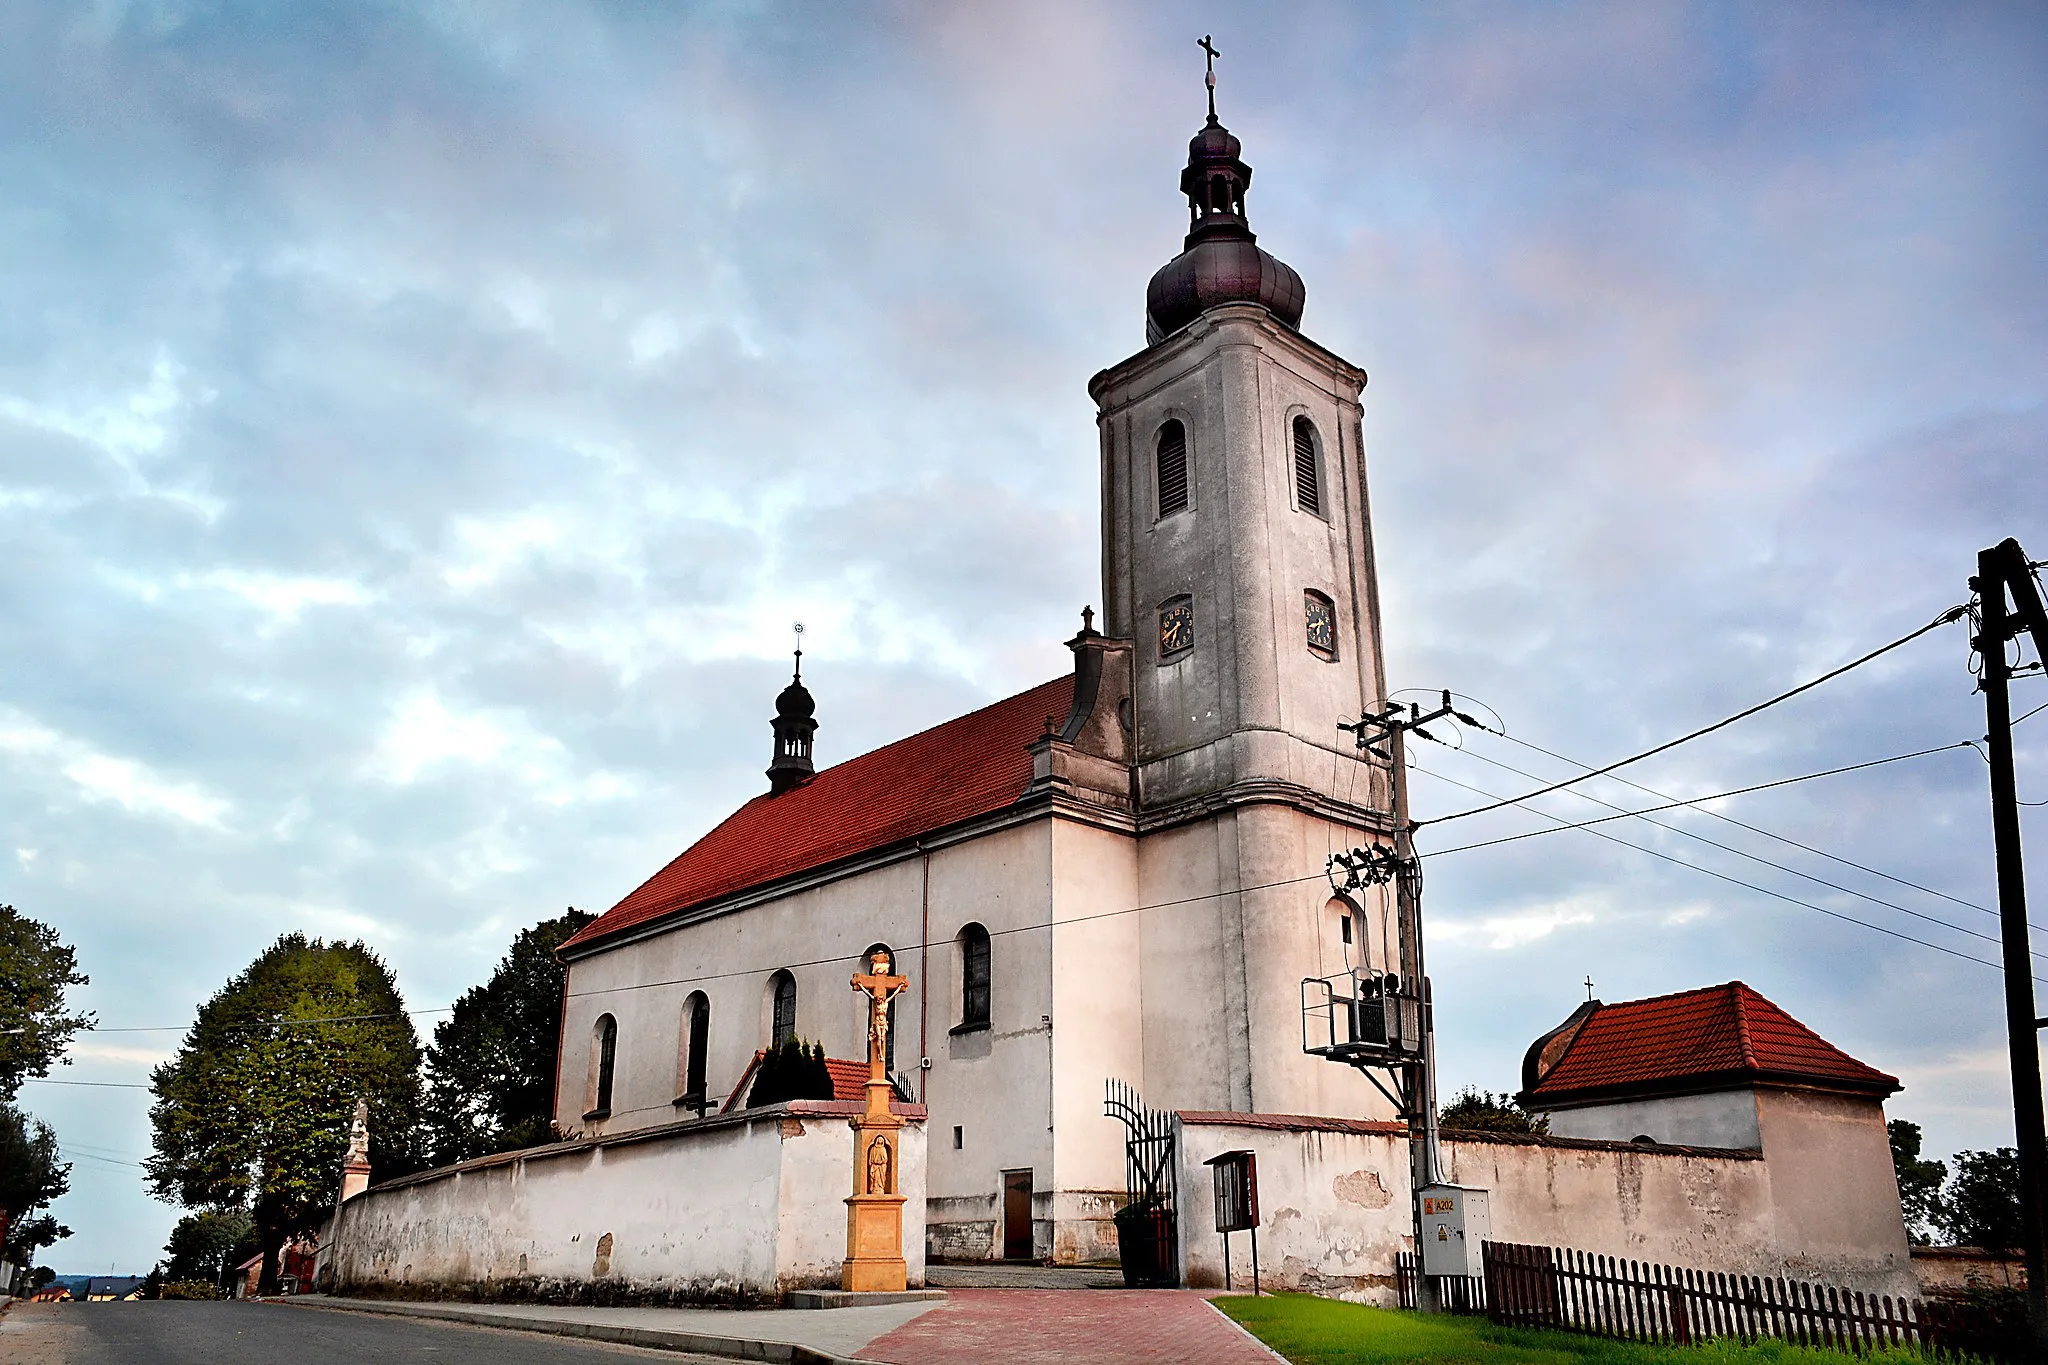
1314	1331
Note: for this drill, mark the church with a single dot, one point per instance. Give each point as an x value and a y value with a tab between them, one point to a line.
1116	874
1113	884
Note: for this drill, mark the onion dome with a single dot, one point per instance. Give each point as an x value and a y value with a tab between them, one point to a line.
1222	262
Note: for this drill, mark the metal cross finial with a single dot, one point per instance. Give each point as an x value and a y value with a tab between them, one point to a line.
1589	988
1210	78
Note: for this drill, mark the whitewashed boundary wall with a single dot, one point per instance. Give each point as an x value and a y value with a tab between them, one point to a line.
1335	1206
731	1208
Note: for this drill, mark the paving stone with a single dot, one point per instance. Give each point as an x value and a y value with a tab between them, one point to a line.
1052	1327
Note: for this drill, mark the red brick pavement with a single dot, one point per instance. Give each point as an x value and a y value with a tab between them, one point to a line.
1070	1327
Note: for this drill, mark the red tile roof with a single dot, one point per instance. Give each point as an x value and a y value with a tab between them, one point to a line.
1720	1034
971	766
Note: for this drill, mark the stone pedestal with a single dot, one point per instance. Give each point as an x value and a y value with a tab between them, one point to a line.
874	1239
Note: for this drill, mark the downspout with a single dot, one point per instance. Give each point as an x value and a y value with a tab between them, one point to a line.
561	1022
924	974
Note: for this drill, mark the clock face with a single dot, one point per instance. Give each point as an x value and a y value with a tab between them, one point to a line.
1322	623
1176	627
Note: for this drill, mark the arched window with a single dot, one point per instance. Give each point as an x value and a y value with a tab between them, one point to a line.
889	1044
1173	469
974	977
782	1021
604	1061
696	1046
1308	481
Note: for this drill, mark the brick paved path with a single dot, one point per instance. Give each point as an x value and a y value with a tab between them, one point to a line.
1070	1327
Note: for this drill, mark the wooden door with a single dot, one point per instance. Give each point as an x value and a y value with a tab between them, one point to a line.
1016	1215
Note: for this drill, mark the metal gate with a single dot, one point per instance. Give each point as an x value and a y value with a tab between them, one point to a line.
1147	1228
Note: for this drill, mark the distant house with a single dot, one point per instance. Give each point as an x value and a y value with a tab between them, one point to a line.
113	1288
51	1293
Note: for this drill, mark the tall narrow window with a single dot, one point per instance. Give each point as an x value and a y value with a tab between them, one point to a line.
974	977
889	1043
1308	483
783	1025
1173	469
696	1048
605	1049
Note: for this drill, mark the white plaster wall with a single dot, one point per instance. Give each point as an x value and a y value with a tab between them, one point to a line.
1097	1032
1333	1210
718	1209
1324	1230
1836	1189
985	1083
1724	1119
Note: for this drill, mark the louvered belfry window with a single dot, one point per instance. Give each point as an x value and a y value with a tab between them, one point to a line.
1308	487
1173	469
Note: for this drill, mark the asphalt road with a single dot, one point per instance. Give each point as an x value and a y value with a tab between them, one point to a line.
265	1334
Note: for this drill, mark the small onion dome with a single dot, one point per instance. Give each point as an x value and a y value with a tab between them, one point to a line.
1221	261
794	702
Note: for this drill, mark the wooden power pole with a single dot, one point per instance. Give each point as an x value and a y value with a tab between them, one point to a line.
2004	569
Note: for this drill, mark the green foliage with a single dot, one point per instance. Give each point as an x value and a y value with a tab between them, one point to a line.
1313	1331
204	1245
253	1112
190	1289
1481	1111
794	1071
36	968
491	1070
1919	1179
31	1175
41	1276
1982	1320
1982	1205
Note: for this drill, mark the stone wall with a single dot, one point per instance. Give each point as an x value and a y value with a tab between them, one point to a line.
1335	1204
741	1207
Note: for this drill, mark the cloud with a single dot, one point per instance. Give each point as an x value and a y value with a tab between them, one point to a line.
419	428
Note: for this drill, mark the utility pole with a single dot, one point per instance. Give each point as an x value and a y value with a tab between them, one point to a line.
1411	1054
2001	569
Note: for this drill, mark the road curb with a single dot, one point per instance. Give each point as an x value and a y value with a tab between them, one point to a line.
654	1338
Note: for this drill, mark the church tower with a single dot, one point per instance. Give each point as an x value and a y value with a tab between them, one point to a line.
1237	559
1237	552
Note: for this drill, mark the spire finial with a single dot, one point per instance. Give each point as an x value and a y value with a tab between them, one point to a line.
798	631
1589	988
1210	78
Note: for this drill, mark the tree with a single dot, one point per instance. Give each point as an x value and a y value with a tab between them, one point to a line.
253	1112
1481	1111
794	1071
31	1176
203	1245
36	968
491	1070
1919	1179
1982	1205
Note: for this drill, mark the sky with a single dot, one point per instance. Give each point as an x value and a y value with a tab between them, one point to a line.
421	423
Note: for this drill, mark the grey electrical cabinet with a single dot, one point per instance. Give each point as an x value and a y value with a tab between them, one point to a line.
1455	1220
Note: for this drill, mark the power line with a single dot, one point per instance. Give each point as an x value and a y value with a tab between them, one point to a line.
1740	853
1674	804
276	1023
1723	876
1951	615
1768	834
102	1085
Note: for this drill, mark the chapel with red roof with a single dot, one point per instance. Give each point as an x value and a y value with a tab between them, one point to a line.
1113	874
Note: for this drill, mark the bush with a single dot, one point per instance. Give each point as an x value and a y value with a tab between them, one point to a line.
1481	1111
1981	1320
190	1289
794	1071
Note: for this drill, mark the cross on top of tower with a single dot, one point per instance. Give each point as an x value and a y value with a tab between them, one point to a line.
1210	78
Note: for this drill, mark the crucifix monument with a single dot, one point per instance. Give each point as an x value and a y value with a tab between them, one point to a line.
874	1211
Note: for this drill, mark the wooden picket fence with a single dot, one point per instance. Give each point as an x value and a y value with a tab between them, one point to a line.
1455	1293
1577	1291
